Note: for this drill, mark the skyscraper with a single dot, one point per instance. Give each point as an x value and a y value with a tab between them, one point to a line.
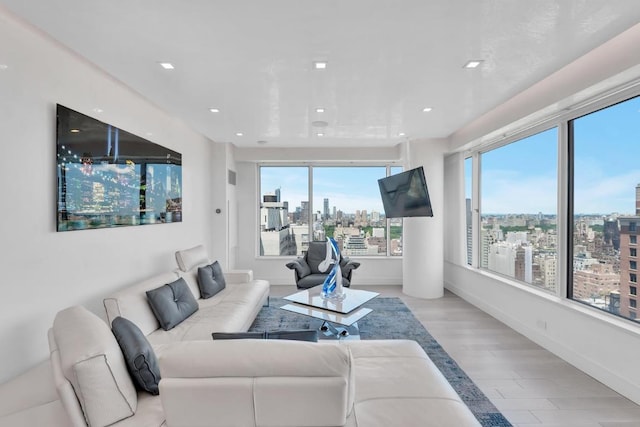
326	209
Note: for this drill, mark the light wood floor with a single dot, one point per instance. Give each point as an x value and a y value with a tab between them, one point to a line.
529	385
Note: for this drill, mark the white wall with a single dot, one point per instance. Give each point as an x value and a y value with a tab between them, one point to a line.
373	270
45	271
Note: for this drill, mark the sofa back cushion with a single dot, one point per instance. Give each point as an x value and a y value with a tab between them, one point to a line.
316	253
188	261
256	382
131	302
91	360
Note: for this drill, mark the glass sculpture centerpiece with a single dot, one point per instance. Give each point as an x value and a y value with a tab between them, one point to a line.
332	286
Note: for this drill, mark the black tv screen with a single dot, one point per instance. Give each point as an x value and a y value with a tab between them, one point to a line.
405	194
108	177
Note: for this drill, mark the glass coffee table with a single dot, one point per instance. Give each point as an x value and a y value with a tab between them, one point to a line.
339	316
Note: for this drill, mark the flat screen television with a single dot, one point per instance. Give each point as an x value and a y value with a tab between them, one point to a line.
405	194
108	177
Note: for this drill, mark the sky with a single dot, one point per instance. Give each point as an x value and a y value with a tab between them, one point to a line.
518	178
347	188
522	177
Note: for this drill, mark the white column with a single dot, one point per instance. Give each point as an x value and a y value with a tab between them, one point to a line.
423	237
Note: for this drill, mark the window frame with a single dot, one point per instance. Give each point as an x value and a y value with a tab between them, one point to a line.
388	165
559	118
477	199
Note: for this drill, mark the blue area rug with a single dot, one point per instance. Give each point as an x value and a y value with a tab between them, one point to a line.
391	319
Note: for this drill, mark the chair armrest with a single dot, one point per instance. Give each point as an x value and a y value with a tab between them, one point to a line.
238	276
347	265
300	266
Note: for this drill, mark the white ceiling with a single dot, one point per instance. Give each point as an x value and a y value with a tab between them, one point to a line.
387	60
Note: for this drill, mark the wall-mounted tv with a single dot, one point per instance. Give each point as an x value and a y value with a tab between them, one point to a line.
108	177
405	194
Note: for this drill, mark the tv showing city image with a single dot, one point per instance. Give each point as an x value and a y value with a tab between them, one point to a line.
405	194
108	177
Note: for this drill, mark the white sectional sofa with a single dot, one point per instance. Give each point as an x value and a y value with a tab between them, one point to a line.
296	384
229	382
231	310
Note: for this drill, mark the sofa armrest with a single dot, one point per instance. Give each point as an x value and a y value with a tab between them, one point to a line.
238	276
32	388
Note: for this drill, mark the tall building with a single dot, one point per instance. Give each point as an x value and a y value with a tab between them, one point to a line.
469	221
595	283
523	268
326	209
274	214
611	232
629	265
502	258
304	212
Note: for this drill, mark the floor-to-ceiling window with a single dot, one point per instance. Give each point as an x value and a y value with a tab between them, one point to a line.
518	206
518	198
605	147
299	204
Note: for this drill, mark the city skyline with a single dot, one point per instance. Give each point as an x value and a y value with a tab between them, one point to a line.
347	191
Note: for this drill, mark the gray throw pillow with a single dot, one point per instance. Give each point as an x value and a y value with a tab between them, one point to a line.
210	280
172	303
138	354
238	335
294	334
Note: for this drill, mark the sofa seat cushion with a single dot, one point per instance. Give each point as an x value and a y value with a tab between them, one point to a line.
399	411
231	310
149	414
397	384
91	360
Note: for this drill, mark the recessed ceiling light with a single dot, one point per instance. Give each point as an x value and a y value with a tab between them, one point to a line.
319	110
320	134
239	134
98	110
474	63
262	142
402	134
3	66
214	110
426	109
319	124
167	65
320	65
74	130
